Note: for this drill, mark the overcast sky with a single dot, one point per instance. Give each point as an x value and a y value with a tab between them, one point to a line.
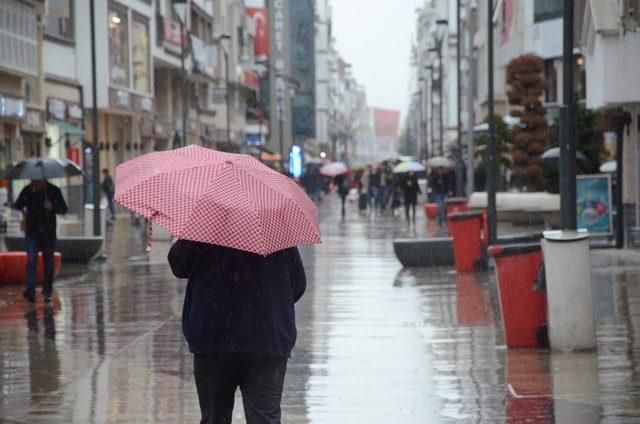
375	37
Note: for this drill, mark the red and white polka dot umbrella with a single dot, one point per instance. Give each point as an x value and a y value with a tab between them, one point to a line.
220	198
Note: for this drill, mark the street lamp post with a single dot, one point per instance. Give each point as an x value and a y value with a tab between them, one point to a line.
423	121
459	164
181	6
419	139
95	150
431	126
223	41
491	141
441	24
568	213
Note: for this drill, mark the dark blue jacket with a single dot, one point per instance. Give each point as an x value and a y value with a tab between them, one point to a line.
238	302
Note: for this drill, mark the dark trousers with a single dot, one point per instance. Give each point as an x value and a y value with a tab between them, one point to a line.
410	206
47	247
260	378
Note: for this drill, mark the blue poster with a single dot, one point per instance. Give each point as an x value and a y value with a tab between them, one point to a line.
594	204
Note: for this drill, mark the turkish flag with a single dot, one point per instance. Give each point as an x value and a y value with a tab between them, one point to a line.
260	18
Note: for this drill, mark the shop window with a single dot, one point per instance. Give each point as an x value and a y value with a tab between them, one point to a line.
59	20
118	48
551	75
140	56
545	10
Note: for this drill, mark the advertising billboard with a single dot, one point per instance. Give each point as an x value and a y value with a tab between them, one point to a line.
594	204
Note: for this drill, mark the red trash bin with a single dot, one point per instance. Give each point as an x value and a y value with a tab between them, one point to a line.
465	229
456	204
524	311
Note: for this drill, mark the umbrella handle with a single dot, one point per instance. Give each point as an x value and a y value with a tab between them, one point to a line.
150	230
149	235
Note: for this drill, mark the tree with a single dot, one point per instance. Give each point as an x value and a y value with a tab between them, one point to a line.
530	138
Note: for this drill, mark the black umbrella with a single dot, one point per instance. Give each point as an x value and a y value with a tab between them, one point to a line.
552	157
43	169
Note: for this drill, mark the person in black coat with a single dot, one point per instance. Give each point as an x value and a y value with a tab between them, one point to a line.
40	202
411	189
239	321
342	183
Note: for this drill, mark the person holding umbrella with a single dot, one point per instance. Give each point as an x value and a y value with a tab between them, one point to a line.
109	190
40	201
411	189
440	184
342	184
238	224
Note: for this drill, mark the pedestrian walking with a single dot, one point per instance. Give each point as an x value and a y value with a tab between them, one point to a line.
40	201
374	188
384	186
239	320
108	188
342	183
411	189
440	184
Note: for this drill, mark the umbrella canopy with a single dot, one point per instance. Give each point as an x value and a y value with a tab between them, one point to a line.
440	162
219	198
552	156
409	166
43	169
609	167
333	169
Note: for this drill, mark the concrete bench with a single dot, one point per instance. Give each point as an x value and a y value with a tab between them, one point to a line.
76	249
520	208
438	251
13	268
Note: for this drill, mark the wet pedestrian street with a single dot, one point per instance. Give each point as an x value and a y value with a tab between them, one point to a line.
377	343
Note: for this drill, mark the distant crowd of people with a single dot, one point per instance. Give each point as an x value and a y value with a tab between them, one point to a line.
380	190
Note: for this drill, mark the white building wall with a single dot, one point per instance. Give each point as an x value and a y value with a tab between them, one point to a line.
59	59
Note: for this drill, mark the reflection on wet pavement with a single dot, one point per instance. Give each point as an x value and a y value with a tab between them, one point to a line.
377	343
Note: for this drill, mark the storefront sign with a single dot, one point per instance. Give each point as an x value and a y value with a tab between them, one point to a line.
56	109
73	154
74	110
295	161
172	33
34	121
251	80
594	204
257	12
123	98
146	104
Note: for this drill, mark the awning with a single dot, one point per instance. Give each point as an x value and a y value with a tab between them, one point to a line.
70	129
